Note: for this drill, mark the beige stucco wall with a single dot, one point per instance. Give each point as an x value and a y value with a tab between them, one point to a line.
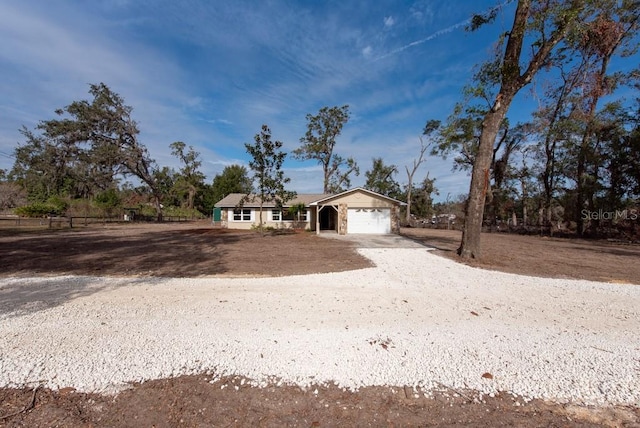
228	222
359	200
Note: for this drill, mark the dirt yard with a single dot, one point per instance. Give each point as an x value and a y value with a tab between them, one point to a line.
196	249
542	256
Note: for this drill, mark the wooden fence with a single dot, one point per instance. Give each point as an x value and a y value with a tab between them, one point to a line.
53	222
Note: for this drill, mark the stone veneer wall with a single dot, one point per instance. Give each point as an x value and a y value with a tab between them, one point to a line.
342	219
395	219
224	219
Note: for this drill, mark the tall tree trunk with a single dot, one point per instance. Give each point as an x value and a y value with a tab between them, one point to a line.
549	174
548	180
511	82
581	170
158	206
327	176
191	196
480	176
474	212
524	201
409	202
260	222
581	196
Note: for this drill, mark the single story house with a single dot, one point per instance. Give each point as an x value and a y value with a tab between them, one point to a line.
356	210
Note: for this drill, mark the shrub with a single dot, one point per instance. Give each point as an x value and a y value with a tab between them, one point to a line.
59	205
37	209
108	201
172	211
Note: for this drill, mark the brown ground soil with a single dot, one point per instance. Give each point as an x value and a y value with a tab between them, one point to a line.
196	249
171	250
596	260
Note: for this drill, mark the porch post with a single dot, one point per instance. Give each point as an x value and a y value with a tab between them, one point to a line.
318	219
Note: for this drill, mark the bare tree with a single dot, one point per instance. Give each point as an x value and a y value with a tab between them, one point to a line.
429	129
410	173
12	195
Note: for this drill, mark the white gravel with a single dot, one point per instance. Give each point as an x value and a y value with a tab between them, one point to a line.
415	319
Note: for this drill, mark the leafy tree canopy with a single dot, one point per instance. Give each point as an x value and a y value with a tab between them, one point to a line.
84	151
233	179
319	143
266	164
380	179
190	180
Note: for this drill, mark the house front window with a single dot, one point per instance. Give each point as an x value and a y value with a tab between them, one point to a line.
276	215
287	216
299	216
242	214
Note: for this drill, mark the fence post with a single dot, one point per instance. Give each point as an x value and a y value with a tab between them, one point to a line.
50	221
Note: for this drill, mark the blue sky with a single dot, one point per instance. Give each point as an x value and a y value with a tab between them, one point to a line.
210	73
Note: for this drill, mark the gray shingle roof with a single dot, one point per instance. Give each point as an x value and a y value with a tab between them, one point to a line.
233	200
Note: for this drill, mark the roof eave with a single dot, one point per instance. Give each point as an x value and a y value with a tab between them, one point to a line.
360	189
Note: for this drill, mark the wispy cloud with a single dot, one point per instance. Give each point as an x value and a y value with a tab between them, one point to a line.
210	73
389	21
222	121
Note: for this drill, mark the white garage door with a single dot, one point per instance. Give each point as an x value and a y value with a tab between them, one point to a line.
369	220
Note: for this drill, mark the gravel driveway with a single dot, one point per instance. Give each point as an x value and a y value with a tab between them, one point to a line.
415	319
376	241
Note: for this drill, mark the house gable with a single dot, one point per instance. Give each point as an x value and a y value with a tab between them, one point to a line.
360	197
359	211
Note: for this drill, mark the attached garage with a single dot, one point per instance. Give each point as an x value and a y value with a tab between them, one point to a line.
358	211
369	220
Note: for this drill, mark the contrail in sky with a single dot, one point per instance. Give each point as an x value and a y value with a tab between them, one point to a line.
426	39
436	34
